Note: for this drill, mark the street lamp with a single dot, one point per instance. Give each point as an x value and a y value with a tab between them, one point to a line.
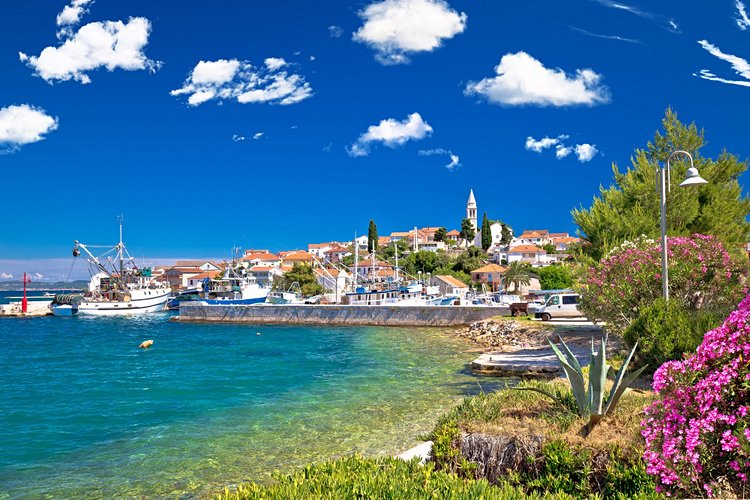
692	178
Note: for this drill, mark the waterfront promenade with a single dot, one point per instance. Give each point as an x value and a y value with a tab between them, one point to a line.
308	314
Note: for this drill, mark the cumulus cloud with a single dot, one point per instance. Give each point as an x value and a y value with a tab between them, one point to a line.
397	28
6	276
584	152
454	163
240	80
258	135
108	44
392	133
742	20
739	65
23	124
521	79
71	14
539	145
562	151
335	31
37	276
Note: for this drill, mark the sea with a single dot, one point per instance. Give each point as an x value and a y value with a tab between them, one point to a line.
85	413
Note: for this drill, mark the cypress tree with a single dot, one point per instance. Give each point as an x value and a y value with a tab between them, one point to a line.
486	233
372	236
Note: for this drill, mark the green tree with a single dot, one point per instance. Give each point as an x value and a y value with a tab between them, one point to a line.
518	274
555	277
630	207
305	276
424	261
389	251
459	275
467	231
372	236
548	247
440	234
472	258
486	233
507	234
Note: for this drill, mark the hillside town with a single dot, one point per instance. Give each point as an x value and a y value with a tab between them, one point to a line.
372	259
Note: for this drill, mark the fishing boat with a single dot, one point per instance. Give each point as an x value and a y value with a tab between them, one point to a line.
233	288
117	286
292	296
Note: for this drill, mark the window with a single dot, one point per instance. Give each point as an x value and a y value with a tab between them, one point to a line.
554	300
570	299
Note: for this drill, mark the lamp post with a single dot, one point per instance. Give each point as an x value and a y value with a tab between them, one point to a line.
692	178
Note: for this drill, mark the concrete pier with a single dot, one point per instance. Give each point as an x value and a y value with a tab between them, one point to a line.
314	314
35	308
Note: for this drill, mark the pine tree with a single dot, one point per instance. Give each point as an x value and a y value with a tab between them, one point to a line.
440	234
630	207
372	236
507	234
486	233
467	231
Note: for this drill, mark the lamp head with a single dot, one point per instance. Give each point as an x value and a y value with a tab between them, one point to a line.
692	178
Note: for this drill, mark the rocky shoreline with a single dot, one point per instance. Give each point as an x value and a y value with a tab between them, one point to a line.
505	335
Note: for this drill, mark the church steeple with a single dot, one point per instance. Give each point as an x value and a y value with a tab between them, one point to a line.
471	209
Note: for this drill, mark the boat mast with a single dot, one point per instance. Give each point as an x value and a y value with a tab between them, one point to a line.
395	246
356	259
120	247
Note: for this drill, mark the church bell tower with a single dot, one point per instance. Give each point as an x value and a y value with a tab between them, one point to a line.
471	210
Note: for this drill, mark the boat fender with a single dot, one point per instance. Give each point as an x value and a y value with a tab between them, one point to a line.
257	334
146	344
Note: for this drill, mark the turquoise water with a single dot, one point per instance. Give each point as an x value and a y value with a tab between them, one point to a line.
85	413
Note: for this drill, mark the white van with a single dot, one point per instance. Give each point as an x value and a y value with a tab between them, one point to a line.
560	305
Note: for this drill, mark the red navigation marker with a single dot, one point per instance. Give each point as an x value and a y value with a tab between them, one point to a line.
24	302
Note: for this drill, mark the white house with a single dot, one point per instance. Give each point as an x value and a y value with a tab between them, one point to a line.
333	280
448	285
528	253
203	265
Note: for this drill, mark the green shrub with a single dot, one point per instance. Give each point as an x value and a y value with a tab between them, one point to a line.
665	330
387	478
561	469
555	277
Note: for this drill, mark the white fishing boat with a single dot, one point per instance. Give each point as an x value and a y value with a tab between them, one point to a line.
292	296
117	287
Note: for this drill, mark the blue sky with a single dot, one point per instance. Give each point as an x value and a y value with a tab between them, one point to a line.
260	124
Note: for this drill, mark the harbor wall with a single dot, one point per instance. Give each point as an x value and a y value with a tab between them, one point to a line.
313	314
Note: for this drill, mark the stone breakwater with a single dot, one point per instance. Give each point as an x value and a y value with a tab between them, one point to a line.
504	335
308	314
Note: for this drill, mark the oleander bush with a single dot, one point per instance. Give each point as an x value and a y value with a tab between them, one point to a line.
697	431
702	276
665	330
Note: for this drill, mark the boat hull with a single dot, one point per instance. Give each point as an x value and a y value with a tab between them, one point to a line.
226	302
142	302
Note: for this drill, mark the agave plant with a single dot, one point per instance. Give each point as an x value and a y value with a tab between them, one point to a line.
591	404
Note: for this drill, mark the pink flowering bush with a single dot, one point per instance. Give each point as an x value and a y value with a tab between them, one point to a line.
697	433
702	276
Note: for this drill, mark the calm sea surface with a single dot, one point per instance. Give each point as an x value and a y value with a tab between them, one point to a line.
85	413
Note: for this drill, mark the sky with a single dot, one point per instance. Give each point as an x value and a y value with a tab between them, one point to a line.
212	125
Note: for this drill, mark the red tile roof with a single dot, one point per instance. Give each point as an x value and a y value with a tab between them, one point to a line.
491	268
527	249
455	282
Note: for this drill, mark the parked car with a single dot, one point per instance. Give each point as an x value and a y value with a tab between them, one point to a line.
561	305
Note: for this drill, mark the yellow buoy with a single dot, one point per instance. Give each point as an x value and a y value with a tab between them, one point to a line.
146	344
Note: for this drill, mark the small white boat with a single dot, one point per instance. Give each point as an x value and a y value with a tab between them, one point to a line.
292	296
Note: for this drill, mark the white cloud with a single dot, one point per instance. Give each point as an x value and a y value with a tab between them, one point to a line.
562	151
521	79
606	37
397	28
335	31
539	145
258	135
274	63
585	152
37	276
238	138
327	148
71	14
23	124
108	44
454	163
240	80
742	20
6	276
739	65
392	133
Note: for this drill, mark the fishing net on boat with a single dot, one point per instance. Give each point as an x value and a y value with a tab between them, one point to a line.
71	299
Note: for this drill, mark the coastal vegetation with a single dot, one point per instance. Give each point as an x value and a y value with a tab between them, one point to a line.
305	276
630	207
555	277
486	233
372	236
518	275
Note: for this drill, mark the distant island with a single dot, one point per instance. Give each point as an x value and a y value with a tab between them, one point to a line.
17	285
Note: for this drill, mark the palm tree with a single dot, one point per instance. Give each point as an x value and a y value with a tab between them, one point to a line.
517	274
